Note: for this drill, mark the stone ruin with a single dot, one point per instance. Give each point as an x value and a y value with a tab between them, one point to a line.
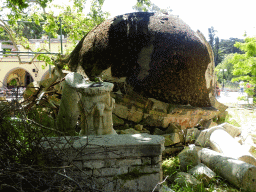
218	150
159	56
163	76
162	71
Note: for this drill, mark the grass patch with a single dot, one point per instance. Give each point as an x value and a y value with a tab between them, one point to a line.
242	98
228	119
171	166
241	116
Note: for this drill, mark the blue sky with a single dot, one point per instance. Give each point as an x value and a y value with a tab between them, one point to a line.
231	18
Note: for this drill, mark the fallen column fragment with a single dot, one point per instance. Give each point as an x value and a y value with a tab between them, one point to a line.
222	142
69	111
231	129
219	140
239	173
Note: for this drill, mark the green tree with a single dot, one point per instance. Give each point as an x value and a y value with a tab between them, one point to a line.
245	64
13	82
225	64
150	7
216	51
227	45
214	42
75	23
211	33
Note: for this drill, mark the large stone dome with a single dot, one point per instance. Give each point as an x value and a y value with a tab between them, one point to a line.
160	55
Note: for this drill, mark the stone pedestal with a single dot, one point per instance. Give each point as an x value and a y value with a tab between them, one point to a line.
91	100
96	107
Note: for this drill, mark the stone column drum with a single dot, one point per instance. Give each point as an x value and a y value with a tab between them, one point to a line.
96	107
89	99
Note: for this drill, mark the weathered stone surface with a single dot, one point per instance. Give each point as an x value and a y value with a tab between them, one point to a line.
192	135
89	99
133	45
181	116
205	123
213	124
157	105
120	111
202	172
132	143
210	76
96	164
129	131
172	138
148	182
173	127
221	107
239	173
246	138
172	150
185	179
135	115
231	129
69	109
219	140
158	131
117	121
138	127
203	138
128	162
188	157
177	118
111	163
110	171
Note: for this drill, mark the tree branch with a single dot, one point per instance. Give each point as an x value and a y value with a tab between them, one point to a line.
48	128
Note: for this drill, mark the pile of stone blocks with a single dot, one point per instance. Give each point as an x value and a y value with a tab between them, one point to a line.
217	150
115	162
155	113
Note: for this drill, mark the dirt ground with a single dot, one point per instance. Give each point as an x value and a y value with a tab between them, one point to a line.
244	115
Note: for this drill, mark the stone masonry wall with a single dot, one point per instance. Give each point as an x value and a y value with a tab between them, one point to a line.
111	162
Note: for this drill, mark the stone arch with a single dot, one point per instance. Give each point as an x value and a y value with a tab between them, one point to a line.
24	81
16	78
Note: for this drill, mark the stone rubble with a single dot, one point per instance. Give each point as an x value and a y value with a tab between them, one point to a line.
192	156
188	158
185	179
202	172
